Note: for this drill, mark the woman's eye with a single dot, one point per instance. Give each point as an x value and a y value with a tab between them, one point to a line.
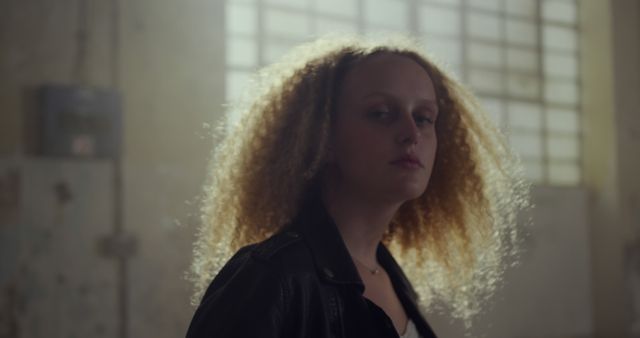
380	114
424	120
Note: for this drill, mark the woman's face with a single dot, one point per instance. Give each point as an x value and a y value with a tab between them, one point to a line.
384	138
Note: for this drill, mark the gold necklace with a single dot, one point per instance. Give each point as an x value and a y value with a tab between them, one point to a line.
373	271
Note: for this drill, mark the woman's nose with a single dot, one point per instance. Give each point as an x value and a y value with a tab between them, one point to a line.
408	131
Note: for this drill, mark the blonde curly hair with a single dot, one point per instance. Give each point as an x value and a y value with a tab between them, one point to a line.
453	241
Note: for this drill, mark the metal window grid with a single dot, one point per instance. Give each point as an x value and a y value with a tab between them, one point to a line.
465	10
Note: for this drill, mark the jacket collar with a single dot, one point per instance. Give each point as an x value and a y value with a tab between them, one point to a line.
332	259
334	264
329	252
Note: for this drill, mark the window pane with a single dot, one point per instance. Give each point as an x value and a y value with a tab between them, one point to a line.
236	83
523	85
560	38
454	70
559	65
526	8
241	52
386	13
339	8
563	11
522	59
377	32
286	24
455	3
525	115
563	147
289	3
274	50
439	20
493	5
533	96
495	110
447	50
485	55
521	32
564	173
533	169
484	26
241	19
486	81
326	25
561	92
527	144
562	121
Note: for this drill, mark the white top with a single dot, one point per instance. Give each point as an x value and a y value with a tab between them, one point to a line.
410	331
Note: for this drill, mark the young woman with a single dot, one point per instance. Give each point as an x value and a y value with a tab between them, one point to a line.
344	153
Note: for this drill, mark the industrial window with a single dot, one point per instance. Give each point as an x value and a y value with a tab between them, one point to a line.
519	56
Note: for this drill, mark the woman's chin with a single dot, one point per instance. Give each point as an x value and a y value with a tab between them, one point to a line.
407	193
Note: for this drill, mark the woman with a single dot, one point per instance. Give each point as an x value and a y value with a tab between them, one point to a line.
346	152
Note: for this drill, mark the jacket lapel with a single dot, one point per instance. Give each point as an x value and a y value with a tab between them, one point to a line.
329	252
407	295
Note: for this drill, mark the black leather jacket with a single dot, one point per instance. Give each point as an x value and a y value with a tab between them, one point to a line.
301	282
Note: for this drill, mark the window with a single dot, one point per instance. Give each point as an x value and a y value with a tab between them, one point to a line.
519	56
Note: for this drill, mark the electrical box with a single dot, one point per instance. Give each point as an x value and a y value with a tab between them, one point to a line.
80	121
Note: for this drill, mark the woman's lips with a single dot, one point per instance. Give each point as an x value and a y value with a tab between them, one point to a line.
408	164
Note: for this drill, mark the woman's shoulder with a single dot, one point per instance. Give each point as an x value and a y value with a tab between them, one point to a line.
286	250
256	285
279	246
283	254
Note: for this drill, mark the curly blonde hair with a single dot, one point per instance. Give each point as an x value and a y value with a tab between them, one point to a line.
453	241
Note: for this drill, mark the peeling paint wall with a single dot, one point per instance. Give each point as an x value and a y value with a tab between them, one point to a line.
166	58
54	280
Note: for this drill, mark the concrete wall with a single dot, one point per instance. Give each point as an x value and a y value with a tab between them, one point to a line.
626	41
166	57
172	76
55	280
549	293
611	81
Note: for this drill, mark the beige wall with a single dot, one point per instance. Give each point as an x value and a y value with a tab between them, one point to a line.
169	67
611	83
172	74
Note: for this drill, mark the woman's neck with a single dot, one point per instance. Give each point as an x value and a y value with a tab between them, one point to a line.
361	222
